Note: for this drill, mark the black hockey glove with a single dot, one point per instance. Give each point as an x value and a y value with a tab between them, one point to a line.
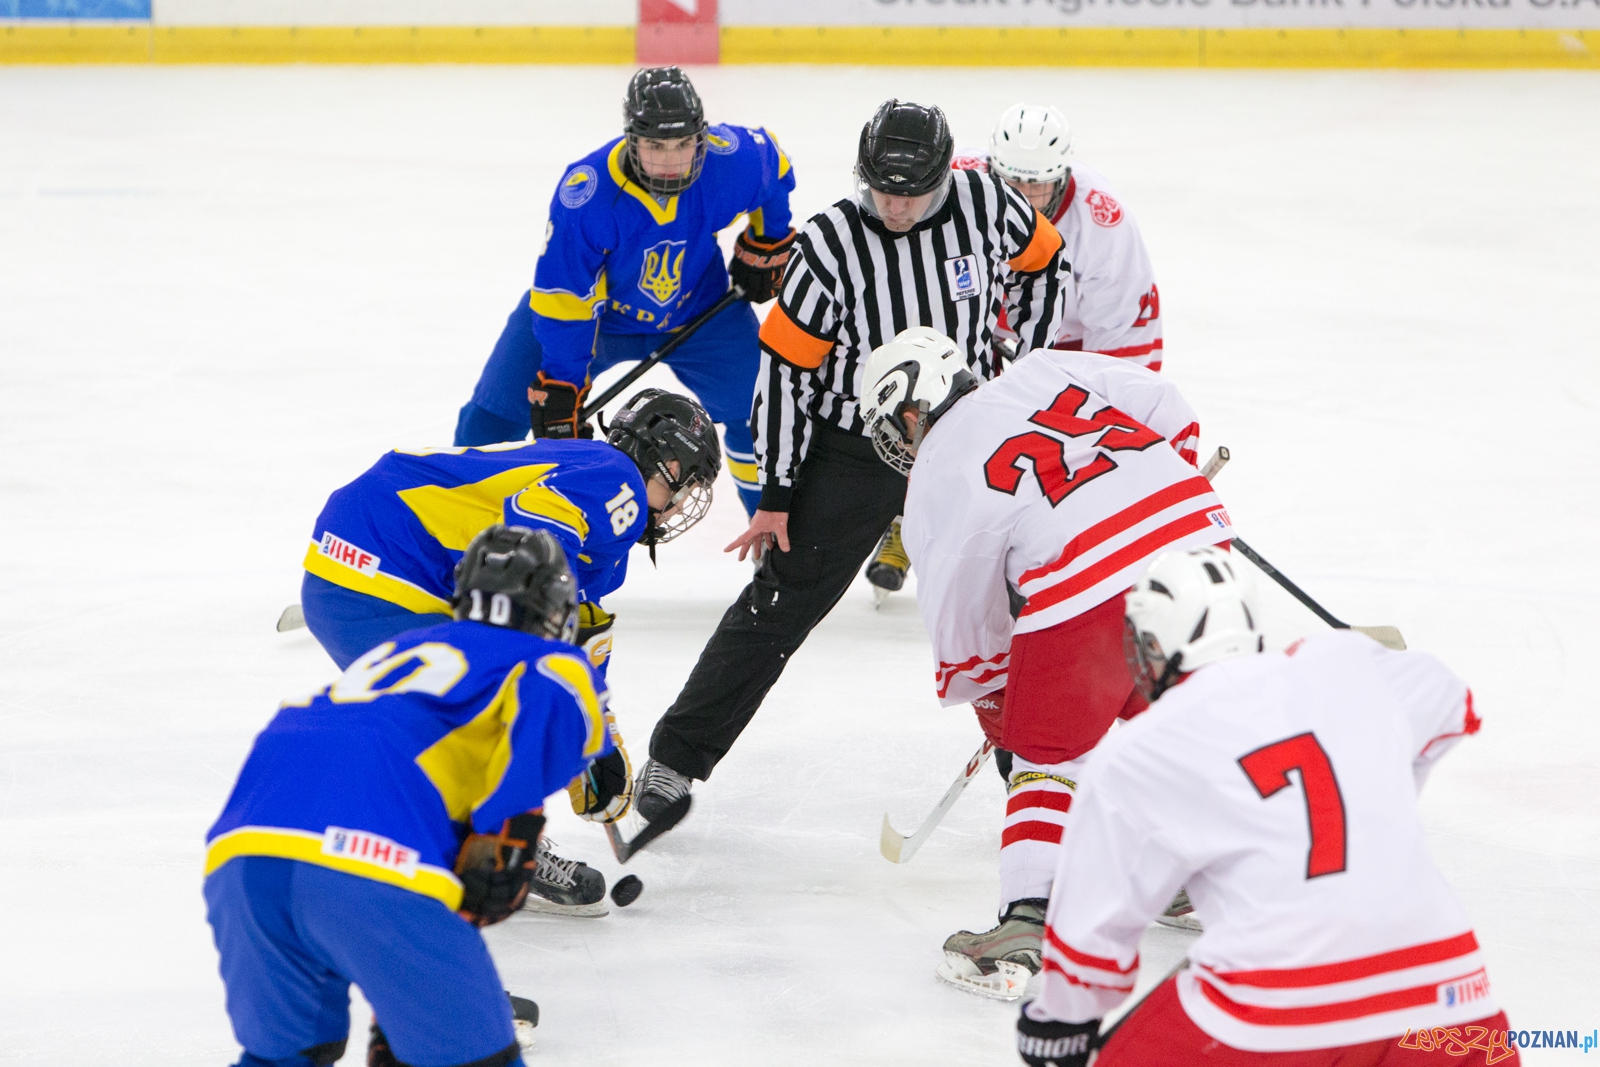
758	263
1055	1044
495	869
553	409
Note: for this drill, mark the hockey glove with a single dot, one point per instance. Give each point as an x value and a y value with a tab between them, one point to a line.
604	791
554	409
1055	1044
495	869
758	263
594	633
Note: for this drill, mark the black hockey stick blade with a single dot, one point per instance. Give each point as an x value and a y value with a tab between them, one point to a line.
625	849
291	619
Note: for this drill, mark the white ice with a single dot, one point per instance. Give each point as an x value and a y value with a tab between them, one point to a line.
223	292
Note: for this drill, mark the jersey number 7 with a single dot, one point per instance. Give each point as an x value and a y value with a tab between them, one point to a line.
1268	769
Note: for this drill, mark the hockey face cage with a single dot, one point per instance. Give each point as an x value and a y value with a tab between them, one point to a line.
660	439
662	105
895	444
1153	673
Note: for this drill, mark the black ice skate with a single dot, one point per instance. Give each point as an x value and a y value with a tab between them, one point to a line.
565	887
1180	914
997	963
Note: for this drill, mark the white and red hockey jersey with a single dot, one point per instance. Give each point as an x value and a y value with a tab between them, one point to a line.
1116	309
1041	494
1280	789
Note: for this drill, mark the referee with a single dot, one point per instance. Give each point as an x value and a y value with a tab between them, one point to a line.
919	245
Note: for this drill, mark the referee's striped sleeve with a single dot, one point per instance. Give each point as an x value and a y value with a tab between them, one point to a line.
795	340
1040	277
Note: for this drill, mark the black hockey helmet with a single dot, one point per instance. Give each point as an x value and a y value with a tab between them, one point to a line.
662	105
905	150
518	578
655	427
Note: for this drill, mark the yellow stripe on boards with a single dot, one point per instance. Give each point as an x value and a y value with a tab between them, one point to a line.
970	46
316	44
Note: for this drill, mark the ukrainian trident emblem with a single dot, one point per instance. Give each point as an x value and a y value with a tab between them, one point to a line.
662	274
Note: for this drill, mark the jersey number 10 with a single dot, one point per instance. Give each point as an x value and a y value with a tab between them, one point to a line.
1268	769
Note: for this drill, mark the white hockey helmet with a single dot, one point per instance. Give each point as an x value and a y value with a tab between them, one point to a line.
920	370
1189	609
1032	143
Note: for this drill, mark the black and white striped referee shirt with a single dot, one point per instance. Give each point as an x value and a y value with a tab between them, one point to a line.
853	285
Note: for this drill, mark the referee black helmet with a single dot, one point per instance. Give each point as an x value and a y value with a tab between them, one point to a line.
906	149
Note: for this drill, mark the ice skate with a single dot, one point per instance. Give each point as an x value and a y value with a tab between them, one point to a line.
889	566
565	887
997	963
524	1021
657	788
1180	914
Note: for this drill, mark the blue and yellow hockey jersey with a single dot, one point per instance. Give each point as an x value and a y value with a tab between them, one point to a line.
398	530
444	731
644	264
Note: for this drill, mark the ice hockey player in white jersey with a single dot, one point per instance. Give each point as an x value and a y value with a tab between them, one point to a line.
1114	309
1281	789
1034	502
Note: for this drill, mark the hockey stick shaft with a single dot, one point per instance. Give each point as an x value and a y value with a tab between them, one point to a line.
593	407
897	848
1293	590
1215	463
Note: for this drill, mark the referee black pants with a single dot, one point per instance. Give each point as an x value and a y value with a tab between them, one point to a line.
844	499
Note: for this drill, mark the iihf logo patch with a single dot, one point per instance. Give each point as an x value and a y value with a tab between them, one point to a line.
722	141
578	186
962	271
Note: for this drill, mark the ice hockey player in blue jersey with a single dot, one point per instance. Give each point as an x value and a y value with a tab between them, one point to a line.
384	549
631	256
379	821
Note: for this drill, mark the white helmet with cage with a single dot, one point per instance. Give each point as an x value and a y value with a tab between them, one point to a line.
921	370
1032	143
1189	609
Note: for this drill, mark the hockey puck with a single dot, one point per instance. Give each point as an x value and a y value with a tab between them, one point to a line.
627	890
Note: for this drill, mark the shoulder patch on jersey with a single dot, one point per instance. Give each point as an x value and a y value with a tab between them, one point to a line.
1104	208
722	140
578	186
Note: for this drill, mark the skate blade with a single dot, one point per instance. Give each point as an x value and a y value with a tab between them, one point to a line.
540	906
880	595
1008	982
526	1035
1181	922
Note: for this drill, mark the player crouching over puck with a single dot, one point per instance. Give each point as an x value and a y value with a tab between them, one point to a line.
1034	501
1281	789
377	823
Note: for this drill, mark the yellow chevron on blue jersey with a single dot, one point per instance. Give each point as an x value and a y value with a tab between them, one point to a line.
643	263
398	530
425	738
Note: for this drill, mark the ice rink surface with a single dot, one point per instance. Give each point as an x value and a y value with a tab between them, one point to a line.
223	292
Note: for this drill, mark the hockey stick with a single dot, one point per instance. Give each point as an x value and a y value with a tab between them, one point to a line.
625	848
592	408
896	847
291	619
1387	636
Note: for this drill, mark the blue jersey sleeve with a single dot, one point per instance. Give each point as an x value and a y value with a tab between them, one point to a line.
560	729
769	207
569	283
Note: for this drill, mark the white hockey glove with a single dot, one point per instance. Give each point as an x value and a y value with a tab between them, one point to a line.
604	791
